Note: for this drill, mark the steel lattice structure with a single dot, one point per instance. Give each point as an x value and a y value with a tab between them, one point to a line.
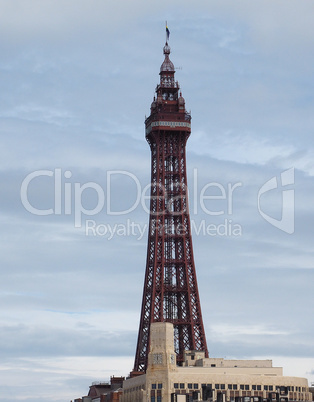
170	290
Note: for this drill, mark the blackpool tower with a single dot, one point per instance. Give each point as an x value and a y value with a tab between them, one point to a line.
170	289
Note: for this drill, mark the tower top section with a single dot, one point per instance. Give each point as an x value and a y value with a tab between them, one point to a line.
168	107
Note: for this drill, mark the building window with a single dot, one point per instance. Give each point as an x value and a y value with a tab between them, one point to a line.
216	386
159	386
265	387
242	386
181	385
235	386
190	386
254	387
229	386
158	398
247	387
152	399
195	386
259	388
213	365
271	388
153	386
176	385
222	386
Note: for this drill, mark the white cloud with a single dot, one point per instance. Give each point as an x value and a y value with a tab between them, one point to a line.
233	332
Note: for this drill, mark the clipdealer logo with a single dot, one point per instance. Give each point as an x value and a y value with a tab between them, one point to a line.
68	197
213	199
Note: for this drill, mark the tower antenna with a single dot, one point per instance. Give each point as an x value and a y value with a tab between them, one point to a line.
167	33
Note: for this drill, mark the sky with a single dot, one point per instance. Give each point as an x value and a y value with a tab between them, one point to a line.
77	80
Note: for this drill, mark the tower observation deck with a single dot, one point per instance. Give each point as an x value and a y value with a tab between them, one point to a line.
170	290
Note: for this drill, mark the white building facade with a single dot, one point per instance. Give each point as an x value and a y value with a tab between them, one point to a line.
213	379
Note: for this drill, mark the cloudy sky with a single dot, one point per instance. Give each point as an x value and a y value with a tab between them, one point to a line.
77	78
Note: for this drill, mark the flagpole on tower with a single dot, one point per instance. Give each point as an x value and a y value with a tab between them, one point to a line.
167	33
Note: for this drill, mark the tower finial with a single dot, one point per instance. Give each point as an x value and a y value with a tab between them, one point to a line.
167	65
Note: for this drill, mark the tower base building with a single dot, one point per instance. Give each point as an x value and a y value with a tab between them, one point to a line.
208	379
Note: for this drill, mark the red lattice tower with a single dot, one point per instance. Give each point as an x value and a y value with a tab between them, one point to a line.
170	290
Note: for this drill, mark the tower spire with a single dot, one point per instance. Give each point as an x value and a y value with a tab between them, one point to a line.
170	290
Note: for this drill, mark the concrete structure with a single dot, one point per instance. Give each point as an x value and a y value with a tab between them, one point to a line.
208	378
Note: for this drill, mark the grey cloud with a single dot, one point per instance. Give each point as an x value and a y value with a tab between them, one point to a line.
25	341
261	346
